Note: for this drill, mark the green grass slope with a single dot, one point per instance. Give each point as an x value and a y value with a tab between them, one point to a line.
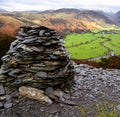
89	45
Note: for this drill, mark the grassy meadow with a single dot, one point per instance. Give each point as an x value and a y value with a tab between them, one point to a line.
92	45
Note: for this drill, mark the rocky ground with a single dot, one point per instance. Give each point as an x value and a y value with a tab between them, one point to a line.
95	93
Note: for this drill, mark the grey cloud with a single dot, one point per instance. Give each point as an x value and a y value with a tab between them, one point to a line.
55	4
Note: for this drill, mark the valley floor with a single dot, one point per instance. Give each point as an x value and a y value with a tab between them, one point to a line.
93	46
96	93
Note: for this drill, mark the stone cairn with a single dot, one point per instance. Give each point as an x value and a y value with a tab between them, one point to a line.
37	58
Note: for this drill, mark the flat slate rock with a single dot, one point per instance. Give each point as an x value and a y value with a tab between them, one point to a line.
2	90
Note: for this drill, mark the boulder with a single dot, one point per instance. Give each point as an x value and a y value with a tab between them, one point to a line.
34	93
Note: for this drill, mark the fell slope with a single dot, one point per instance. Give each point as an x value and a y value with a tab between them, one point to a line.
9	25
71	20
117	18
8	29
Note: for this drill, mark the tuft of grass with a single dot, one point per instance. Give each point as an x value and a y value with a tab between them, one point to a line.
99	110
106	110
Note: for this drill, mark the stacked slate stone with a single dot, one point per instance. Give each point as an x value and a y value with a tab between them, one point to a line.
37	58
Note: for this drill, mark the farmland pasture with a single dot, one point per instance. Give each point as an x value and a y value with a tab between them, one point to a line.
91	45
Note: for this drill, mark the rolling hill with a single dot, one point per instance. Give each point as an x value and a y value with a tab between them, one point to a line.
63	20
9	25
68	20
8	29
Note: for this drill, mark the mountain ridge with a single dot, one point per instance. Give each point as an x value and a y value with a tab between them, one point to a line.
117	18
69	19
2	10
64	20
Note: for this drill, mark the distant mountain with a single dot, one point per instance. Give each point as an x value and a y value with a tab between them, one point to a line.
65	10
96	15
63	20
110	15
117	18
2	10
68	20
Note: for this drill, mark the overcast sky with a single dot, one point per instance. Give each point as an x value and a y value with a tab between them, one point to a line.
21	5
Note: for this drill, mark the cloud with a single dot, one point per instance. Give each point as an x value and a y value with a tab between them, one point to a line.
56	4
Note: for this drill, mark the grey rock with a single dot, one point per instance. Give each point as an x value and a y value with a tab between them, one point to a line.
41	33
53	109
58	93
19	46
27	79
19	39
118	78
39	65
29	41
14	43
12	52
20	61
2	90
69	102
47	34
57	52
37	49
46	68
22	34
21	76
34	93
49	92
47	44
17	82
27	48
14	72
118	107
66	96
32	32
3	71
44	39
2	97
38	42
54	63
8	98
42	74
53	57
53	32
1	105
8	105
83	72
5	58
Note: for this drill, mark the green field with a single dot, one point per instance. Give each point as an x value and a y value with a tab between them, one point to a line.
92	45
